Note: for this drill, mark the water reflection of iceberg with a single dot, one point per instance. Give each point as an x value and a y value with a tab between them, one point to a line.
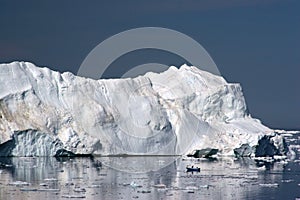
93	179
137	164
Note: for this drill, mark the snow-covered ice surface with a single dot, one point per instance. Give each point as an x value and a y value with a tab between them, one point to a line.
174	112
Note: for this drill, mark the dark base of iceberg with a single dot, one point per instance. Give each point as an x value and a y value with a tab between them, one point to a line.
30	143
268	146
203	153
33	143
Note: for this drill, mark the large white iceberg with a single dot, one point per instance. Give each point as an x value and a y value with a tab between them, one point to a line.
170	113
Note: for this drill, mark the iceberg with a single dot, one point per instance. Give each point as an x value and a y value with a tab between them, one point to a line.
43	112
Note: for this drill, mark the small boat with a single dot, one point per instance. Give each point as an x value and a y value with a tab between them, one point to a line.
192	169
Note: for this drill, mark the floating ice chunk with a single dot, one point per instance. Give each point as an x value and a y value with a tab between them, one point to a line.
286	132
270	185
79	190
74	196
204	186
48	190
134	184
19	183
262	168
160	186
287	181
50	179
192	188
28	189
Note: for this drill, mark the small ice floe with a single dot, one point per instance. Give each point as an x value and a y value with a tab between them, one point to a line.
264	159
19	183
160	162
284	162
287	181
79	190
28	189
48	190
294	146
276	157
160	186
134	184
292	139
284	132
73	196
96	186
204	186
50	179
192	188
262	168
78	177
287	135
270	185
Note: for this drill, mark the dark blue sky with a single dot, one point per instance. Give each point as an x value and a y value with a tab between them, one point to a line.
255	43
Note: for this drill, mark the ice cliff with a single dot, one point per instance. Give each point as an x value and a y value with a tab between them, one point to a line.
174	112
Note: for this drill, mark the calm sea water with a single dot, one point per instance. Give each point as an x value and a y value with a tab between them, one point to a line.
149	178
